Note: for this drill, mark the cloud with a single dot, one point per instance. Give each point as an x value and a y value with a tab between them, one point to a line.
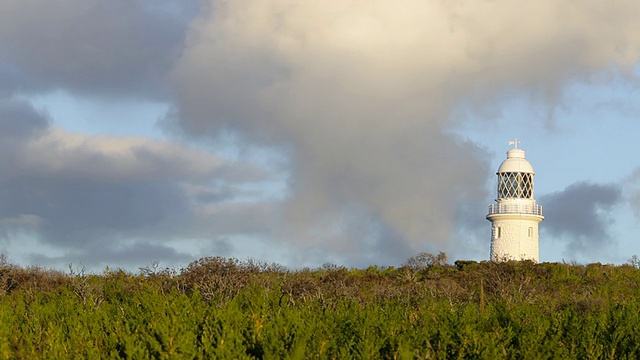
19	119
79	155
578	215
361	95
111	48
106	255
109	198
632	189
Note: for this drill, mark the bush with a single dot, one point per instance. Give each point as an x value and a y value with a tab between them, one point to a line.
225	308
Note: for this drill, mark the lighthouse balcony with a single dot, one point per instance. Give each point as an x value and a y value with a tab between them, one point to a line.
530	209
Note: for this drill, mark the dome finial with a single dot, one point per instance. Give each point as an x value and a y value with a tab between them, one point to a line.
515	143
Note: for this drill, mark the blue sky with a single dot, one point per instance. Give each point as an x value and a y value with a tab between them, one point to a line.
355	133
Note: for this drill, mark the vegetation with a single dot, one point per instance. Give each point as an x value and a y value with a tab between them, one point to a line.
225	308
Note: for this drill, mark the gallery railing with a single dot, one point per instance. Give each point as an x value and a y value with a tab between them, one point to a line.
515	209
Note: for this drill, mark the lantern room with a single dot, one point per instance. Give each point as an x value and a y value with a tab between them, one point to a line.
515	176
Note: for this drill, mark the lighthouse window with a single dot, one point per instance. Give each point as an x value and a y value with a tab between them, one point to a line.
530	232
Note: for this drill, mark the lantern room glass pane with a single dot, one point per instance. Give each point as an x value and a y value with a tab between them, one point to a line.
515	185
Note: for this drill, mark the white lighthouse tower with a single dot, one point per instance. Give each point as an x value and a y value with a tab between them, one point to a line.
515	215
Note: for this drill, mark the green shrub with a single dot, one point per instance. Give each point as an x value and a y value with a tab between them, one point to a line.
224	308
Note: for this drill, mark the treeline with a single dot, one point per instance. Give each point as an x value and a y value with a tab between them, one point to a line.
227	308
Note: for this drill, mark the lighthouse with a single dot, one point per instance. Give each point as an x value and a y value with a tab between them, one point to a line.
515	215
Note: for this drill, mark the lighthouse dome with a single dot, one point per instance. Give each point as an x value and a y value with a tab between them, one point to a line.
515	163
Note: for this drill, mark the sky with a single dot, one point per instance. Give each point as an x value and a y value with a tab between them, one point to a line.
358	133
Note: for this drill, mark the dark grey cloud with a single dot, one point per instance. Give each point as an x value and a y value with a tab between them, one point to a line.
116	254
18	119
579	215
10	79
117	48
81	211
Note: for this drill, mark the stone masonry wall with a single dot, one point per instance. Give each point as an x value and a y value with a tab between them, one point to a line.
518	240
